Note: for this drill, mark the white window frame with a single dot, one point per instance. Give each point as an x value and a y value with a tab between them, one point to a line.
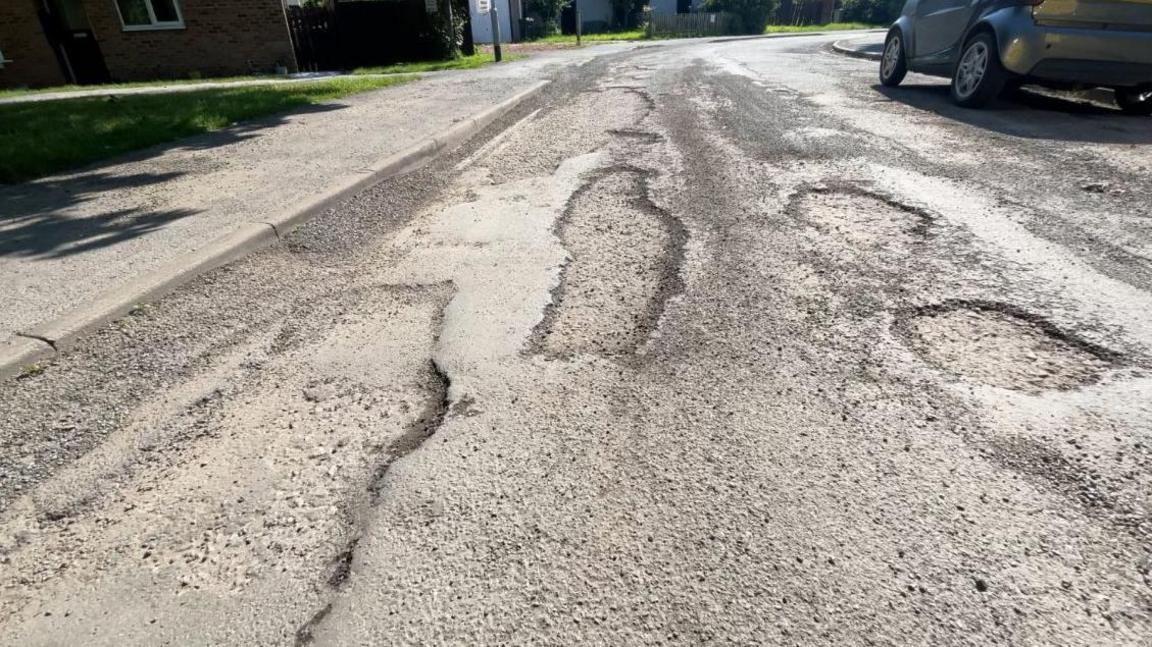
156	25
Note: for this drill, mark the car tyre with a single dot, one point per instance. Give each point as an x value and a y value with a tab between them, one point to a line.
893	63
979	77
1135	101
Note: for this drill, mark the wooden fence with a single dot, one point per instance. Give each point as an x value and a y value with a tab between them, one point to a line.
686	25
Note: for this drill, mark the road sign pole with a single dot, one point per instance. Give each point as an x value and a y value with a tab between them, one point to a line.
495	32
579	27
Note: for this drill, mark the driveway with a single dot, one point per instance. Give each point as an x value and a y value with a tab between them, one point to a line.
708	343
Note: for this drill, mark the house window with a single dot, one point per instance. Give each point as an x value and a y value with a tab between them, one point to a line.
149	14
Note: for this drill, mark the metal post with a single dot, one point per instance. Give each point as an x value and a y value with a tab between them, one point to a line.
495	32
579	26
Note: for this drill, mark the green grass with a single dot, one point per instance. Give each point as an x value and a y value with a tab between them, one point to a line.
834	26
40	138
640	34
136	84
463	63
635	34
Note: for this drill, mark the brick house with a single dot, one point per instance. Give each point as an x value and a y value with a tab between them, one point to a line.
50	42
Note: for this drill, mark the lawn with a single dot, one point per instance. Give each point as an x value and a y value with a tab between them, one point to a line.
463	63
41	138
640	34
635	34
834	26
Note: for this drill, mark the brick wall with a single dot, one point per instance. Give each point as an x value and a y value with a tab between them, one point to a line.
220	37
22	40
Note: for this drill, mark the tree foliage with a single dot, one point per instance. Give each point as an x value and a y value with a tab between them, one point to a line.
873	12
548	12
626	13
751	15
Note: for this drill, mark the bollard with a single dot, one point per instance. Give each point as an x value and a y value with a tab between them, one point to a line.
495	33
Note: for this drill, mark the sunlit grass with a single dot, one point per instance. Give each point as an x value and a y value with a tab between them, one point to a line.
478	59
40	138
834	26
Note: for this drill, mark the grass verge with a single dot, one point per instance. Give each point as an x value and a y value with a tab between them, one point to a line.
833	26
640	34
556	39
4	94
478	59
38	139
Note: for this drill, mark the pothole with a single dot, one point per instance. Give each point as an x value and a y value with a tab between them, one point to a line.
859	219
1004	346
624	265
641	136
579	126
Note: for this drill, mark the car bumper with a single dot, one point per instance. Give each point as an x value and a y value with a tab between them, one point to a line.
1087	56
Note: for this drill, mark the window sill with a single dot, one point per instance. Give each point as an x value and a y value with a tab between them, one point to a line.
172	26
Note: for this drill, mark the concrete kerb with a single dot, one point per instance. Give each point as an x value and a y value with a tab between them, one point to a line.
842	47
45	340
798	34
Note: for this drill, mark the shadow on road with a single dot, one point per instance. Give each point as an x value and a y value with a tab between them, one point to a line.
1030	114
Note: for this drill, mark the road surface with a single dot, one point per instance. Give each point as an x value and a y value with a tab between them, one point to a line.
711	343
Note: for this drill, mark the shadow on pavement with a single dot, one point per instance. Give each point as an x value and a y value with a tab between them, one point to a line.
47	218
35	223
1029	114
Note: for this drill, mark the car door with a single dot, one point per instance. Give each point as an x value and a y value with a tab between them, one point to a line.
939	24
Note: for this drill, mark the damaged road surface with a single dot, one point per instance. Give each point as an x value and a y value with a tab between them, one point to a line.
710	343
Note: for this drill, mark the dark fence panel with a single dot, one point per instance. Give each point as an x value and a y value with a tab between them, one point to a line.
364	33
314	38
688	25
381	33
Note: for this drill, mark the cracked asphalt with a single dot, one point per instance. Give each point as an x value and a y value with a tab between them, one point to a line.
710	343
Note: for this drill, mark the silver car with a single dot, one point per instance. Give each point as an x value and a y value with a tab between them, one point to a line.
986	45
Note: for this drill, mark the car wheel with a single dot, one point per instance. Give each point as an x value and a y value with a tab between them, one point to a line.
893	64
979	77
1135	101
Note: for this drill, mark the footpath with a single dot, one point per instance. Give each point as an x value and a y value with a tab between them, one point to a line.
82	248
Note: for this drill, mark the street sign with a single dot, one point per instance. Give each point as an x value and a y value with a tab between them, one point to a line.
484	6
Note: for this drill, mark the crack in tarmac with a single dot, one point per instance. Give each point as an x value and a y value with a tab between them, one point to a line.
436	409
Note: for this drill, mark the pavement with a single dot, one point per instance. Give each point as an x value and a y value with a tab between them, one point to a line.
706	343
85	246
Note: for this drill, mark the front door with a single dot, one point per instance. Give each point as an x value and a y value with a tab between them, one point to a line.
940	23
75	42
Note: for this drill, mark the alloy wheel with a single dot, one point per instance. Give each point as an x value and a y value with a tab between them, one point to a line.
891	56
972	69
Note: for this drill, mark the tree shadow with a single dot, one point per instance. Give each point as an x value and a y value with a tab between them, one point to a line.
1031	114
61	215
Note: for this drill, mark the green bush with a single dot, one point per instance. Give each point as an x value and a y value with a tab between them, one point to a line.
626	14
548	13
751	15
873	12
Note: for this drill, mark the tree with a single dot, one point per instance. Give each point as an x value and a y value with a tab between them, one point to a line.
548	11
625	12
751	15
873	12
